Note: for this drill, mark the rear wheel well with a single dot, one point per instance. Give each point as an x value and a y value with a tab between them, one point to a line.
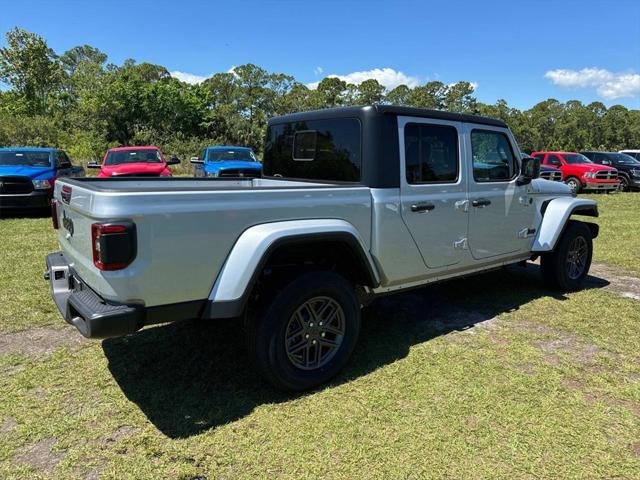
294	257
339	256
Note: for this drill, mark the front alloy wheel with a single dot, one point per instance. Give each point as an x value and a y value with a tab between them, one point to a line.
624	184
574	185
577	257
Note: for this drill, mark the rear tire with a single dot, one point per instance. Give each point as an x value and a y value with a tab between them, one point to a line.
307	333
566	268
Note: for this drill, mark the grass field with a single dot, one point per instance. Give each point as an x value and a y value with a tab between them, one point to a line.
488	377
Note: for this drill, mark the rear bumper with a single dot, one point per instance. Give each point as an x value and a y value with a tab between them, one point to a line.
34	200
95	317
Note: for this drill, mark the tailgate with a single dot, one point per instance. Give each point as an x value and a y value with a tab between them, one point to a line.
74	233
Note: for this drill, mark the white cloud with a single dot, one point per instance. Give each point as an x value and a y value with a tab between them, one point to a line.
188	77
318	70
388	77
609	85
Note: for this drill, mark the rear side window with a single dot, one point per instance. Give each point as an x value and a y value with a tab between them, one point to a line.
493	158
431	153
315	150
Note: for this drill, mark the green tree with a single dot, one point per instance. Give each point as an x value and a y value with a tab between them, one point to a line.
31	68
370	92
74	57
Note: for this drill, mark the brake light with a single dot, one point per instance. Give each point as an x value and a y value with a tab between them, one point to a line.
54	214
113	245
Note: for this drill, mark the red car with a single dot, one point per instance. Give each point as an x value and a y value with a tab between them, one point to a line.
134	162
579	172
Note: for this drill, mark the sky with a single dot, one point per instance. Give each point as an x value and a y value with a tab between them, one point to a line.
523	51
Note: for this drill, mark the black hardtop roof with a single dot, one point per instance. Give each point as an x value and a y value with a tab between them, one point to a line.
365	110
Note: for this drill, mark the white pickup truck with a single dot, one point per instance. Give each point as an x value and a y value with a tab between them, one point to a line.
353	203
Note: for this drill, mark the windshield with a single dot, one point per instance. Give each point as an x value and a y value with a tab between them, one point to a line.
118	157
25	159
220	155
622	158
574	158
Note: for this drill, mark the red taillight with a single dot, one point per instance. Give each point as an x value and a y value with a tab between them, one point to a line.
113	245
54	213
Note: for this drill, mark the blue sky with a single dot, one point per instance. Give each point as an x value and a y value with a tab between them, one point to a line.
522	51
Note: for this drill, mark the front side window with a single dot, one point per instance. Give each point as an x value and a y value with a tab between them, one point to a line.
431	153
493	158
62	161
575	158
621	158
327	149
554	160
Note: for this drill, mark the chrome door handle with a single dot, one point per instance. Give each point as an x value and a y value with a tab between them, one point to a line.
481	202
422	207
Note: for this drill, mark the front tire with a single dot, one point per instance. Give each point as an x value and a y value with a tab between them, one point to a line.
574	184
566	268
308	332
624	183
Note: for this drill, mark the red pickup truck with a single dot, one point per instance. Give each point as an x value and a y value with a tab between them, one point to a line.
134	161
579	172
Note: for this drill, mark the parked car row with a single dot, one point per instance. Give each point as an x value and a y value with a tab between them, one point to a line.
594	171
27	175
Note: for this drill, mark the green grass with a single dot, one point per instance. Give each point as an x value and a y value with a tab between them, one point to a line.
619	240
488	377
24	295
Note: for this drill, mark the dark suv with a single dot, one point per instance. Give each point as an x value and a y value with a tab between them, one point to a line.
628	167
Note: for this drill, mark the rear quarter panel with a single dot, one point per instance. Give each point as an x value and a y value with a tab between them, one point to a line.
185	237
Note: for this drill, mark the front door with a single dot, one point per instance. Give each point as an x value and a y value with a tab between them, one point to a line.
433	188
501	212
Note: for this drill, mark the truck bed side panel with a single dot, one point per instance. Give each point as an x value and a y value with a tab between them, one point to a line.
184	237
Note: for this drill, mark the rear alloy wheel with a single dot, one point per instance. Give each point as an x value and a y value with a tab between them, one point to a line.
314	333
574	185
568	265
306	335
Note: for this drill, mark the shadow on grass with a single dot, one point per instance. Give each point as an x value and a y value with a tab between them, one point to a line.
192	376
25	213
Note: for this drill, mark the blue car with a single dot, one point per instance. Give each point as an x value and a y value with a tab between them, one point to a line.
223	161
27	176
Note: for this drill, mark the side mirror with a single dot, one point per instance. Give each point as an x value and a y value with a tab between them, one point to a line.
173	161
529	169
65	165
196	160
93	164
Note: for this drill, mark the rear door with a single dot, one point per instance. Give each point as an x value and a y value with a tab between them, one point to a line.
433	188
501	212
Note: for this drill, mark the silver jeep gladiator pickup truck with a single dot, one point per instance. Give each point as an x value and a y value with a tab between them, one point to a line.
354	203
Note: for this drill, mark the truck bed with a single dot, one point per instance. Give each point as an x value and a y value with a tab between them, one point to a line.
186	227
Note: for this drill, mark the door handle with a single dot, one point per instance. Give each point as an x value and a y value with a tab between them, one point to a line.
481	202
422	207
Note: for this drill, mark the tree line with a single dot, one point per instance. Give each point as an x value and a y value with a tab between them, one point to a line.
79	101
